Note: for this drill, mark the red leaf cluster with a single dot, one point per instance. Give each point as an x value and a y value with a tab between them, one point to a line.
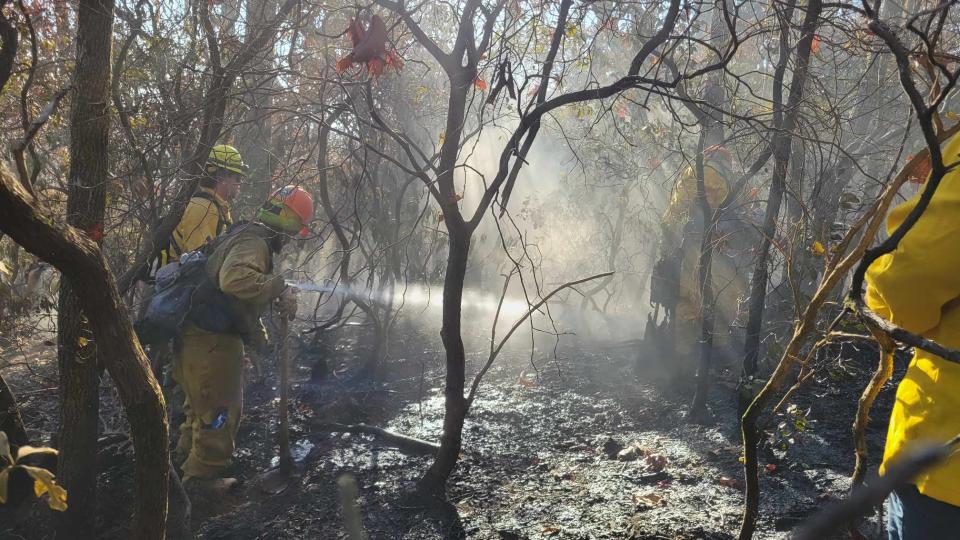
370	48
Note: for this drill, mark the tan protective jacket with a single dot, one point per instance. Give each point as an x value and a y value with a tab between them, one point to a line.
242	267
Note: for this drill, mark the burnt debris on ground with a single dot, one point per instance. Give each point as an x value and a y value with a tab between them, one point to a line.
580	447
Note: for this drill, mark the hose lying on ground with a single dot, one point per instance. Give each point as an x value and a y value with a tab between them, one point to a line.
404	443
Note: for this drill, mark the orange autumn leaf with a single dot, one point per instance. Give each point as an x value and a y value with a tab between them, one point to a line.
920	170
480	84
815	44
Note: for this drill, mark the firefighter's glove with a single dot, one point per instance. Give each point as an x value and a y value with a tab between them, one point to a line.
287	302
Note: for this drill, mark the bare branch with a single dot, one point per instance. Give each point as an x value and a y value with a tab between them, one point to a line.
517	324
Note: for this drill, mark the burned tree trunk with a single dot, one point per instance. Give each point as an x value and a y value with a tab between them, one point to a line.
460	66
455	404
80	261
255	140
214	109
712	133
698	409
785	118
86	202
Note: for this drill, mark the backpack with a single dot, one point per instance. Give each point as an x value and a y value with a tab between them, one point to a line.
183	293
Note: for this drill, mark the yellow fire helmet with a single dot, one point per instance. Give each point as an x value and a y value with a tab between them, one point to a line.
226	157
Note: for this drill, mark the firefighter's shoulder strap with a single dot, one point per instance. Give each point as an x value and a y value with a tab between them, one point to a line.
223	221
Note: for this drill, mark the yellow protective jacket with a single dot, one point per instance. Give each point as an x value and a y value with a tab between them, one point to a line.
206	216
683	200
727	281
241	266
917	287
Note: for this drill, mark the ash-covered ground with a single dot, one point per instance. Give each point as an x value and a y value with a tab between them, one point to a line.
563	442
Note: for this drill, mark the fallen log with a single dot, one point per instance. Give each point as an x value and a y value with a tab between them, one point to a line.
404	443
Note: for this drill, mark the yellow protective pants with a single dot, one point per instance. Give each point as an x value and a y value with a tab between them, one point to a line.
728	288
209	368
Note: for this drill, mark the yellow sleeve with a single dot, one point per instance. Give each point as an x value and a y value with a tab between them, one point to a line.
199	224
910	286
244	276
715	185
679	208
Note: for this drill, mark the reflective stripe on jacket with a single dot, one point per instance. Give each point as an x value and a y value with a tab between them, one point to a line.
917	287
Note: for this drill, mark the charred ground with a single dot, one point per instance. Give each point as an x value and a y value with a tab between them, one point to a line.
580	447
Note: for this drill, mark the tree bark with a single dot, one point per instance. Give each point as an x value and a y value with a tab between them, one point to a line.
8	54
455	404
86	203
255	139
698	408
89	284
786	120
81	262
215	104
712	133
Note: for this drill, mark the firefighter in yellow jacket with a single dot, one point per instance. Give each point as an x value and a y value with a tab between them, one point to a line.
206	216
917	287
683	233
209	364
208	213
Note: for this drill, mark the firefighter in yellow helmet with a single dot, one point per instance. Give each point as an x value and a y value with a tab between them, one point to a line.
675	283
208	213
206	216
917	287
209	357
